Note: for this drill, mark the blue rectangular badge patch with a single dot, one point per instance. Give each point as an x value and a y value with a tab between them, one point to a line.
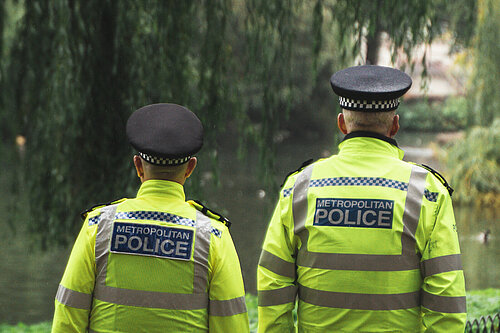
365	213
152	240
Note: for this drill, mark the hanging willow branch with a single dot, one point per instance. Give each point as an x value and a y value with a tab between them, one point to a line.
80	67
270	35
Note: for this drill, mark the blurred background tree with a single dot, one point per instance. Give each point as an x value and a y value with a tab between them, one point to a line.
72	72
486	64
475	165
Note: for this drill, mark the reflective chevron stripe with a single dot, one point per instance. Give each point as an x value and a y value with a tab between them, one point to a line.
359	301
73	298
277	265
277	296
442	264
445	304
151	299
228	307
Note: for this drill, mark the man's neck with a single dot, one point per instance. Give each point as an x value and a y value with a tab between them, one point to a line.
369	134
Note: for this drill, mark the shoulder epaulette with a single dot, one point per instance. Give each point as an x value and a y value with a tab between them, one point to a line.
210	213
84	214
439	177
302	166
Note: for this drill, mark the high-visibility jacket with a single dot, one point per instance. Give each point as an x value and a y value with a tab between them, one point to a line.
154	263
367	242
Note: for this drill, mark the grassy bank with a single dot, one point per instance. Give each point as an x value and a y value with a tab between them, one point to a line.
479	303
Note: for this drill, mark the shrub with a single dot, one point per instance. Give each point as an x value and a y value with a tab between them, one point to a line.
473	166
439	116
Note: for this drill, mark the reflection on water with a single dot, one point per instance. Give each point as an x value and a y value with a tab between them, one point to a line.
480	257
29	278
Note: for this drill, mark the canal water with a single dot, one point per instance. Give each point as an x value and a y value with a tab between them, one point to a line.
29	277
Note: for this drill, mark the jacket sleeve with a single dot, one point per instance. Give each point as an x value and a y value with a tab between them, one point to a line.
276	276
74	295
443	290
227	308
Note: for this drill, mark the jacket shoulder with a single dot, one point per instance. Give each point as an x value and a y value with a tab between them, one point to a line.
84	214
302	167
209	212
437	175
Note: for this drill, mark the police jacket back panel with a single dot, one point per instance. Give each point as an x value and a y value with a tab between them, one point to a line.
367	242
152	264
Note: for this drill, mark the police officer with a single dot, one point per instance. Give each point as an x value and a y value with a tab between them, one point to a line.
366	241
154	263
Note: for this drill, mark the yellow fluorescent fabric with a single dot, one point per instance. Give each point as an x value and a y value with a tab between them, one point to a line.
357	230
143	293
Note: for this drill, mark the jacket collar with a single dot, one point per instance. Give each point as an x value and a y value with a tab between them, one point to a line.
370	143
366	134
161	188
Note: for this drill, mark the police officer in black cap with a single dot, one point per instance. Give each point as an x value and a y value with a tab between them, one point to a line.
154	263
366	241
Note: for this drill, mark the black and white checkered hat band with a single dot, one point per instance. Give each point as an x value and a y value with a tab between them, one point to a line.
163	160
364	105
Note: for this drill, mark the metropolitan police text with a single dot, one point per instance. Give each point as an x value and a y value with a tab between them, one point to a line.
374	213
152	240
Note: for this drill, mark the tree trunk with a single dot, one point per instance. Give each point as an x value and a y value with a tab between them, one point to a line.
372	47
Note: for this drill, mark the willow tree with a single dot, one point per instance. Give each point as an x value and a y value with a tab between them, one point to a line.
79	70
486	69
80	67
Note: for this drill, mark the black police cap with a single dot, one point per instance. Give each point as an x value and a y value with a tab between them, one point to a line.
370	88
165	134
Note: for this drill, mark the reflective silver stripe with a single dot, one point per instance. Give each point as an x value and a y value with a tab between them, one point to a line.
408	260
299	200
228	307
445	304
357	262
73	298
413	204
151	299
277	265
359	301
201	252
442	264
277	296
197	300
102	240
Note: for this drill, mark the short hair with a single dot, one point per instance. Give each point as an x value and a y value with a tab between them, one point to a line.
368	121
163	172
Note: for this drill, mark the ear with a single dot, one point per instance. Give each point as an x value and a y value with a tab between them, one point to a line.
190	167
341	123
139	167
395	126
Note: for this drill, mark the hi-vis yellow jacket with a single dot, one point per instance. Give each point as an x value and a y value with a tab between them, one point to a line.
367	242
154	263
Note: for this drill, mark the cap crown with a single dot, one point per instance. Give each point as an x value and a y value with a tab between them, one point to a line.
165	131
369	87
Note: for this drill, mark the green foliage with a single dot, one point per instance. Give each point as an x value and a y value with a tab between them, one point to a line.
482	303
436	116
362	20
459	18
486	73
80	68
78	72
252	303
23	328
74	71
473	166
